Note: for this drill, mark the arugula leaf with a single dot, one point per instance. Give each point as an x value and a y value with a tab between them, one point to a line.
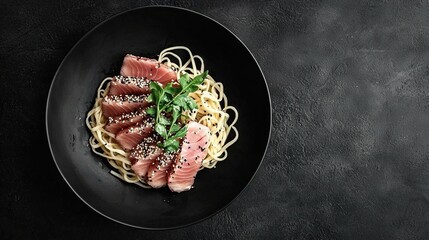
155	90
161	130
170	145
164	121
181	132
193	88
183	80
200	78
170	102
151	111
150	98
176	113
174	128
190	103
180	101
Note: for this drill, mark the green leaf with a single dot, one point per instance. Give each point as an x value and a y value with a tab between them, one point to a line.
151	111
191	103
171	145
204	75
164	99
176	113
171	149
169	108
175	144
193	88
183	80
161	145
150	98
186	101
168	142
174	128
170	89
199	78
180	101
163	120
182	132
156	90
161	130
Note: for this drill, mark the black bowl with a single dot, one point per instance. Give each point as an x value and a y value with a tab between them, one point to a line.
145	32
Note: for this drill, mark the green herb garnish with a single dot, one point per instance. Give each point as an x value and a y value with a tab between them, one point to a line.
170	102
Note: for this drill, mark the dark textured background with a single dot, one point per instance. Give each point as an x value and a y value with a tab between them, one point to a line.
349	154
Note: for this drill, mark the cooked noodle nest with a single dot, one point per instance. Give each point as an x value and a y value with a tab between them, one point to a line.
213	111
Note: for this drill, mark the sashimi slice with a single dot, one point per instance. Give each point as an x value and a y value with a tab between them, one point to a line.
135	66
121	85
193	151
115	124
142	156
158	171
131	136
117	105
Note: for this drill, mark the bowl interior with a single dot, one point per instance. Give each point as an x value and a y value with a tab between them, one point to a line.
145	32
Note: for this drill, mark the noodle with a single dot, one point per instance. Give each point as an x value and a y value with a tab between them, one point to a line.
213	111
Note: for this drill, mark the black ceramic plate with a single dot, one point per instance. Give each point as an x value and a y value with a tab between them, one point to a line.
145	32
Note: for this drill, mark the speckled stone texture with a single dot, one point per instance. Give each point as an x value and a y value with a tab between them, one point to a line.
349	151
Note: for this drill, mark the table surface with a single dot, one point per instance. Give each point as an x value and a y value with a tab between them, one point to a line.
349	150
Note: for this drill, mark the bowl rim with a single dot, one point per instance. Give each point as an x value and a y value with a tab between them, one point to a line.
84	37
